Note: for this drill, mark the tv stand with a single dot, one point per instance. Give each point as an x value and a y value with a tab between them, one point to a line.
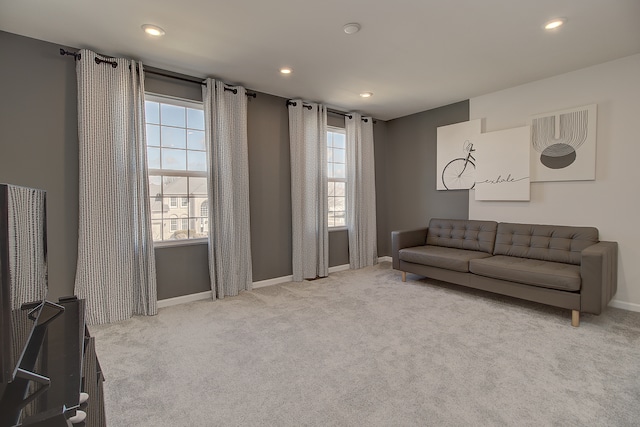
56	364
42	313
32	376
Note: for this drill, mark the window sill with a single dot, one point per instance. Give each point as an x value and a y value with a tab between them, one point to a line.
344	228
173	243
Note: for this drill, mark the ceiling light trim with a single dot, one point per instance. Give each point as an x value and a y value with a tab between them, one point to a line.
554	24
153	30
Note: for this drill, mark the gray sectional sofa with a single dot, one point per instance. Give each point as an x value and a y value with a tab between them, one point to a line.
561	266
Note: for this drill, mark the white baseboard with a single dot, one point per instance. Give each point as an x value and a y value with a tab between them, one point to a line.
274	281
625	305
285	279
338	268
184	299
259	284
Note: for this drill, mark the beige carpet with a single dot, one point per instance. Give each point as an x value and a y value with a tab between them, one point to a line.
361	348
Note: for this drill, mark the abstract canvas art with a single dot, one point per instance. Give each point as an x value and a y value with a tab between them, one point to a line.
456	164
503	165
563	145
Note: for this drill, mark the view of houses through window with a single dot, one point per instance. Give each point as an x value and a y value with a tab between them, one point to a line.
337	177
177	163
176	157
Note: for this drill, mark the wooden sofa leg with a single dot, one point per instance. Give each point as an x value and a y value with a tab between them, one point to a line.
404	276
575	318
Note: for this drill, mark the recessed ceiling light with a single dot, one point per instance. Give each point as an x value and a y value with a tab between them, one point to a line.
153	30
555	23
286	70
366	94
351	28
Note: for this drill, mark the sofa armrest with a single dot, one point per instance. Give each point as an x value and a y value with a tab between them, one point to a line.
599	272
406	239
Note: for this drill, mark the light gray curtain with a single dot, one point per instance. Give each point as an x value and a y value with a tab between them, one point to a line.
308	143
26	235
225	114
361	192
116	263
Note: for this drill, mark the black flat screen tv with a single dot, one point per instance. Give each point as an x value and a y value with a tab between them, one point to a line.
23	271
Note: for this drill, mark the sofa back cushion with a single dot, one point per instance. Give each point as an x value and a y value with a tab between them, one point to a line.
462	234
554	243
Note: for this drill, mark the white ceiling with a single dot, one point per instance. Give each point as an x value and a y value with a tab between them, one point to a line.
412	54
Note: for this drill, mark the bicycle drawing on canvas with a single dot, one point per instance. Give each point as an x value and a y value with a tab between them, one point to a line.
460	173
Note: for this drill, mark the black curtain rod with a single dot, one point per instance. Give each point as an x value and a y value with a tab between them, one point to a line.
199	82
339	113
184	79
75	55
329	110
290	102
114	64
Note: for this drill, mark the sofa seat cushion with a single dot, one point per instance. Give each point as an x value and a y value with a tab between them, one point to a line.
442	257
547	274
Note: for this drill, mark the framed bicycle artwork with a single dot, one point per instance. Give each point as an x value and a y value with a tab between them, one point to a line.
456	164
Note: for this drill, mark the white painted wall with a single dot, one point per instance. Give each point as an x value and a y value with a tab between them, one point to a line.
611	202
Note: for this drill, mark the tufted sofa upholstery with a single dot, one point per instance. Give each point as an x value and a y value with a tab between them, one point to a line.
557	265
544	242
469	235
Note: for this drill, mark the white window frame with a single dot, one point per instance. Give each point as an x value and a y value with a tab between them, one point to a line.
342	131
163	99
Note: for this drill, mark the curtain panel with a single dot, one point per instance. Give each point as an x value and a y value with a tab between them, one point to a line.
308	145
116	262
361	192
228	181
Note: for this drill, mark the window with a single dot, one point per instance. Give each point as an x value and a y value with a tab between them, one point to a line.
177	162
337	177
204	209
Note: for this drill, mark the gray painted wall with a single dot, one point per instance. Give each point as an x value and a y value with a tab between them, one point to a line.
410	167
171	87
39	148
182	270
269	186
381	143
39	142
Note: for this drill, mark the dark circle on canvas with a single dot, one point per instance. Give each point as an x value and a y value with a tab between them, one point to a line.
558	156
